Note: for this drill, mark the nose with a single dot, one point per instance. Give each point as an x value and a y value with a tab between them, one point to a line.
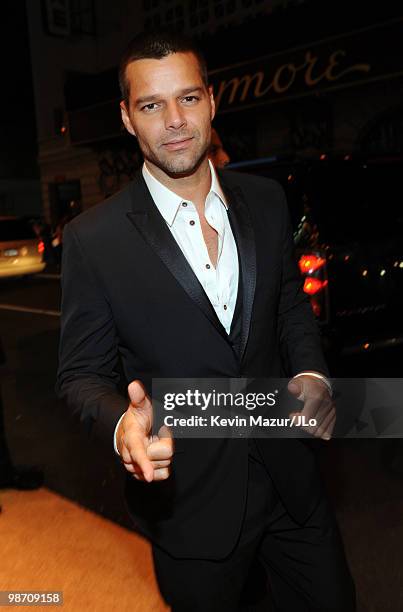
174	116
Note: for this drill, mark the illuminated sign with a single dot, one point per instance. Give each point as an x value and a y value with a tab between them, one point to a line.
336	63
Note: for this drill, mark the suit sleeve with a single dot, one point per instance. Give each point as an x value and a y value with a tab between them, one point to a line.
299	337
87	378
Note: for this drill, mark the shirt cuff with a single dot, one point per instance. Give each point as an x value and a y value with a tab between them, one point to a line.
114	435
321	377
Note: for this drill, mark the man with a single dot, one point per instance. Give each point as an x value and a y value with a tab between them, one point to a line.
189	273
217	153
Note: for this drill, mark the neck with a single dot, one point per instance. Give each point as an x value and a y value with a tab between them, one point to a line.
194	187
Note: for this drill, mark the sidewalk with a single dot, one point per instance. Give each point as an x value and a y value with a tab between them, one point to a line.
52	544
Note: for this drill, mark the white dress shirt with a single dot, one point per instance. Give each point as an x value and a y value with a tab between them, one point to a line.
220	282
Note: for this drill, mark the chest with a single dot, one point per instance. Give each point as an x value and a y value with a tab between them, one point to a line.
210	237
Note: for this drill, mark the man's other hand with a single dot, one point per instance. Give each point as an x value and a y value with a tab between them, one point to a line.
318	405
148	457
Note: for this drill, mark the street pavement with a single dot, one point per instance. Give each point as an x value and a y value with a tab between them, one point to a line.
40	431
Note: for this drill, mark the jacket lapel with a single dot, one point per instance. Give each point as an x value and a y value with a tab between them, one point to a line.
239	217
152	227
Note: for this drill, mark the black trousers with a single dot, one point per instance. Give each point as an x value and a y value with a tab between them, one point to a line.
277	564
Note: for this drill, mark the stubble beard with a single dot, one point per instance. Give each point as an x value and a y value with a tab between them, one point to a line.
177	163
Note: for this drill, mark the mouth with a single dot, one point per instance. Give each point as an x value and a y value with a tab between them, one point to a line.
175	145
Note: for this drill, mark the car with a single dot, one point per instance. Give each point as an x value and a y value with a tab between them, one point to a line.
21	251
347	218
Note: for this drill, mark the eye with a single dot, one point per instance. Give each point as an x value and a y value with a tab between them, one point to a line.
149	107
191	99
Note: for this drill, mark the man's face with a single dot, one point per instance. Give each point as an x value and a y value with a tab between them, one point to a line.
170	112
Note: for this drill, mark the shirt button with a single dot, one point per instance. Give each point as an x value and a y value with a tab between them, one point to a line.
184	204
225	306
191	222
208	266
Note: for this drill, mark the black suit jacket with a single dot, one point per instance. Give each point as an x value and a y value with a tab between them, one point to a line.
128	289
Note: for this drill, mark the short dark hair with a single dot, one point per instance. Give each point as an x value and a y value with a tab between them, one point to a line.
156	45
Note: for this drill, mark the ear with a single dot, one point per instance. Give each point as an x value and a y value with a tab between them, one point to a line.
212	102
126	119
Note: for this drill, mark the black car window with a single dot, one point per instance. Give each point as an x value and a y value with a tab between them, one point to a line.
357	202
341	201
15	229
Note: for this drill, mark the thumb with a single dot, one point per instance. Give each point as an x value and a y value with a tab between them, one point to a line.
140	405
137	394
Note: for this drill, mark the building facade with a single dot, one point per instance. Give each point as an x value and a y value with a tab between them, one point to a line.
293	88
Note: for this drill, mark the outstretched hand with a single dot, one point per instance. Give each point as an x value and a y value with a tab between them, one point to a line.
148	457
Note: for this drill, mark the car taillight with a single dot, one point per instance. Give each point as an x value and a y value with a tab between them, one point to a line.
313	268
310	263
313	285
41	246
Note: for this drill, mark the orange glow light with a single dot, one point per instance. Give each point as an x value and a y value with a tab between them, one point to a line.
310	263
313	285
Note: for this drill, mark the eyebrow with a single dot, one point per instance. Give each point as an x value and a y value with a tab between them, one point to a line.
153	98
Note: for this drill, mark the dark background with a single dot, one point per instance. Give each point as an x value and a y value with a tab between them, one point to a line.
364	477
